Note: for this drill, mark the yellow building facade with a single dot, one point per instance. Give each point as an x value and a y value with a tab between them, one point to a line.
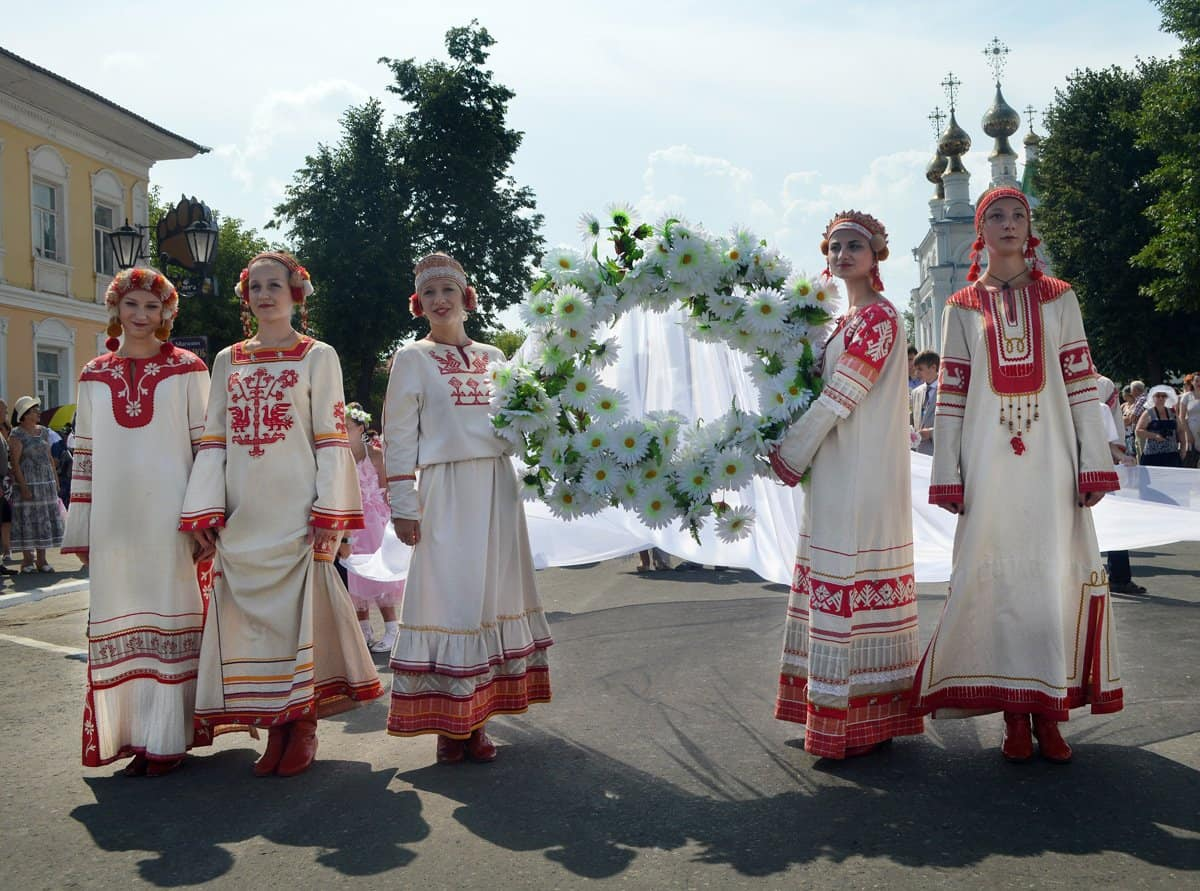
73	167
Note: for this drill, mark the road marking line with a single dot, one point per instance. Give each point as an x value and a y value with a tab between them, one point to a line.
74	652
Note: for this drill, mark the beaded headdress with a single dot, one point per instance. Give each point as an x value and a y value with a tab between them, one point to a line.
868	227
299	282
435	266
986	200
139	278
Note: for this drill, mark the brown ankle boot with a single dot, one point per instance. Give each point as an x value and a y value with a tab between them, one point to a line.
277	738
1018	740
480	747
450	750
301	749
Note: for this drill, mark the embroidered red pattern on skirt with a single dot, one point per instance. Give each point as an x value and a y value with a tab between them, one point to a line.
458	716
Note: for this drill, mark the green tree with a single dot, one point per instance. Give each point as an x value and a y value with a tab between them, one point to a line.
217	316
1094	196
1170	128
347	212
457	153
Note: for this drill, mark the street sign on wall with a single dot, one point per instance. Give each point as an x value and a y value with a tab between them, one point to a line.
197	344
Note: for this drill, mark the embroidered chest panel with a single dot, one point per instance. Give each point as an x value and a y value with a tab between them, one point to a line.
465	372
134	381
1013	329
240	354
260	407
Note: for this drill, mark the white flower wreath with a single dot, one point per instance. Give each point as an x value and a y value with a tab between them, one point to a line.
581	453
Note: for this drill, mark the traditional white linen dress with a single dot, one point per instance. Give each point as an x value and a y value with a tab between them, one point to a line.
473	635
851	643
1027	626
136	424
282	641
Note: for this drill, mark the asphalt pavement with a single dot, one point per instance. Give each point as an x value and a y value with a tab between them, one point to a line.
657	765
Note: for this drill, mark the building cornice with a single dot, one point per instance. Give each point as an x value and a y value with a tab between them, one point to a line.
27	117
51	304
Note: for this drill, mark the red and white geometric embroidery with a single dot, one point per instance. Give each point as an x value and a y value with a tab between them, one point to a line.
1076	363
259	413
469	392
461	363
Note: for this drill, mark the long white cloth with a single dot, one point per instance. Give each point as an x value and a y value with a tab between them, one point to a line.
661	368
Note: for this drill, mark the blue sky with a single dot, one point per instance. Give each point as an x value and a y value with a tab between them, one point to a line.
772	115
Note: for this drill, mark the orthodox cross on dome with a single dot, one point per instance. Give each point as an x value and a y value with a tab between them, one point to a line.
936	117
951	85
1030	112
997	56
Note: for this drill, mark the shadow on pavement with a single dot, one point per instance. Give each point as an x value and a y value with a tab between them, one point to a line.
912	804
186	820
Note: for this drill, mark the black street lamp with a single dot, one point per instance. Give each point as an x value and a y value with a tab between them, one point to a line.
187	238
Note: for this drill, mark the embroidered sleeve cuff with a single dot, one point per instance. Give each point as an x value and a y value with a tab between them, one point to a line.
952	494
208	520
332	519
1099	481
787	475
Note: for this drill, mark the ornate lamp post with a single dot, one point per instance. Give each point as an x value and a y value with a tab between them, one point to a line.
187	238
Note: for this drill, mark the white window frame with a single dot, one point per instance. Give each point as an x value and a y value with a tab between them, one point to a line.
54	334
53	276
107	192
55	212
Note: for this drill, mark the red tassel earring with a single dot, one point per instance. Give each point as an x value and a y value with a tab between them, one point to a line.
976	247
247	318
1035	268
876	281
113	331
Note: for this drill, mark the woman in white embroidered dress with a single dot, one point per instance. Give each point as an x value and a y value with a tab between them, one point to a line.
1020	454
851	644
272	492
372	486
473	635
140	412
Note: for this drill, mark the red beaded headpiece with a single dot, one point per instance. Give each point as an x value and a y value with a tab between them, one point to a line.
986	200
868	227
299	282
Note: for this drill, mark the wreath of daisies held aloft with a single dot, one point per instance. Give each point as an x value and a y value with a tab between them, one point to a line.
582	452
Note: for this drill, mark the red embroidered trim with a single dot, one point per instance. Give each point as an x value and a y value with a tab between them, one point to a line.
208	520
133	382
1076	362
403	476
783	470
1099	481
239	355
954	377
80	550
946	494
1016	360
80	497
865	594
1045	289
327	694
871	335
457	360
326	519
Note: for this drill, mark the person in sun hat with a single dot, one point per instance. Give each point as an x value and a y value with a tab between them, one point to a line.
1161	434
37	511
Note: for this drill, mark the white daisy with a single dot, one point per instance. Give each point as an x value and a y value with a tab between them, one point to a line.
622	215
601	475
506	430
580	390
565	501
825	294
592	440
552	355
605	353
573	339
572	308
537	310
765	311
687	260
694	478
648	473
655	507
743	338
740	247
726	305
589	228
529	483
555	455
562	263
798	290
609	406
731	469
735	523
773	401
629	442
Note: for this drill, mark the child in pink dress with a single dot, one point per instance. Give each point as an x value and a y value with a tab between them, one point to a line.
368	460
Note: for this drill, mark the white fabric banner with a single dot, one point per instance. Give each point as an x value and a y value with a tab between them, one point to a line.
661	368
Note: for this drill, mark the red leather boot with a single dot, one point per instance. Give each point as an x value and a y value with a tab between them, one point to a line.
480	747
277	738
301	749
1018	741
1050	742
450	750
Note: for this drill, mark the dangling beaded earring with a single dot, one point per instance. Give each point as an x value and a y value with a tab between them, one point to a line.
976	247
247	318
1035	267
114	331
303	317
876	281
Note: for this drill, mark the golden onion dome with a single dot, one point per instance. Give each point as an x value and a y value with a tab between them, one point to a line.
936	167
1001	120
953	144
1032	138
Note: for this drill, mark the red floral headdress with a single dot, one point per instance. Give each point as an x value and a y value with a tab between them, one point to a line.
299	281
986	200
435	266
868	227
140	278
